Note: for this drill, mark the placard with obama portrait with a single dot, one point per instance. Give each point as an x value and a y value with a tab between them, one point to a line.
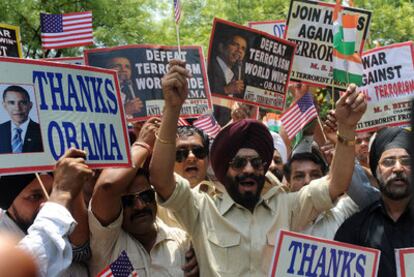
248	64
140	70
310	26
49	107
303	255
388	83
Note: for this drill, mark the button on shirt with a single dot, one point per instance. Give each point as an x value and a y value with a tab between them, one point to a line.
228	239
165	259
372	227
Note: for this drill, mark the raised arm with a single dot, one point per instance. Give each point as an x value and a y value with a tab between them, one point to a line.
175	90
349	110
113	182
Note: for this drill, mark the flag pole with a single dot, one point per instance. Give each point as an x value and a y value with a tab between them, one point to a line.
42	186
177	29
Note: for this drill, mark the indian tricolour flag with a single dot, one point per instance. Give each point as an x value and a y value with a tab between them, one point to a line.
347	64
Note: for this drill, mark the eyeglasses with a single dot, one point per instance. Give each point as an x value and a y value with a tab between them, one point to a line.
182	154
146	197
240	162
390	161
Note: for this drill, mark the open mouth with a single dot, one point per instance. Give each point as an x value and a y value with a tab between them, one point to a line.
248	185
191	169
142	215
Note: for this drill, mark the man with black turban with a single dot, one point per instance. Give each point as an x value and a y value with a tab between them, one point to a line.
388	223
234	233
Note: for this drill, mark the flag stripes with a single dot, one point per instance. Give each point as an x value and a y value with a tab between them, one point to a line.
66	30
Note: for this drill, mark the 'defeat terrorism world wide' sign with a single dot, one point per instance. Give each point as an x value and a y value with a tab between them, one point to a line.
63	106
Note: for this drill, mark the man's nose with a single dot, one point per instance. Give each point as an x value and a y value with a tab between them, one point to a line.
308	179
248	168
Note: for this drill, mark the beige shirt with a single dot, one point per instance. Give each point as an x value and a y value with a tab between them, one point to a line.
228	239
165	259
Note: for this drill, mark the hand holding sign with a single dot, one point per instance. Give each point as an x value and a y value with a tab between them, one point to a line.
174	84
350	107
70	174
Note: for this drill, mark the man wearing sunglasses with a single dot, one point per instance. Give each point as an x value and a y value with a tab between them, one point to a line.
123	216
388	223
233	233
191	159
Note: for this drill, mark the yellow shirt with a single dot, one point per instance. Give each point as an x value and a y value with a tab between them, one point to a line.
228	239
165	259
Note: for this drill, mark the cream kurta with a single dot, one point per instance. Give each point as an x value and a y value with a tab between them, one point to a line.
166	257
228	239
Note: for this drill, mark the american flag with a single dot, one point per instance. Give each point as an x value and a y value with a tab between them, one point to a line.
208	124
121	267
66	30
182	122
298	115
177	11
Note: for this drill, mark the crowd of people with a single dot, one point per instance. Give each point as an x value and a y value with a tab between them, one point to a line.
195	206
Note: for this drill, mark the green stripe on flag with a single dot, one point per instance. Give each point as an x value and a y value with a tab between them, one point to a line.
345	48
346	77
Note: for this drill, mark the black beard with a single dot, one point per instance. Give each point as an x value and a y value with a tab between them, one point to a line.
278	174
248	199
385	186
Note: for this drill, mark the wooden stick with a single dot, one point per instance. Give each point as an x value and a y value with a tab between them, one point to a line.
42	186
320	126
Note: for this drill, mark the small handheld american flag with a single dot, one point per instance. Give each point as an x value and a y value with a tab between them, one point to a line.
299	115
177	11
121	267
208	124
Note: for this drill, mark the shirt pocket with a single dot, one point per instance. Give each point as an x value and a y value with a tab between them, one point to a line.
268	251
226	252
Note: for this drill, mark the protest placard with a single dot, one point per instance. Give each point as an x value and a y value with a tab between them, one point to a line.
310	26
67	60
302	255
248	64
140	69
49	107
388	83
404	259
10	42
273	27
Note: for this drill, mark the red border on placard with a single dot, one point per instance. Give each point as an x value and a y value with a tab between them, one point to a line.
64	59
232	24
161	47
80	67
283	233
401	253
378	49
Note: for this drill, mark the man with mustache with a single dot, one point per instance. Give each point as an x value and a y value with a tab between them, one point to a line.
388	223
234	233
123	216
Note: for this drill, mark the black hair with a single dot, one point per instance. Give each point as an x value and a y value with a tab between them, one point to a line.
187	131
18	89
313	156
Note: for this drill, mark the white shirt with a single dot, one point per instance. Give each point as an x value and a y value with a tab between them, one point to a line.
228	73
165	258
47	238
328	222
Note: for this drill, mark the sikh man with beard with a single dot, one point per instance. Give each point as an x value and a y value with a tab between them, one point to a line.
233	233
388	223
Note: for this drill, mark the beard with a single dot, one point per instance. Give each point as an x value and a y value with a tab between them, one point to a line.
278	173
247	199
391	191
23	223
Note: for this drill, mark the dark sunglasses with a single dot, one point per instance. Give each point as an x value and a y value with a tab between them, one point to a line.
146	197
182	153
240	162
391	161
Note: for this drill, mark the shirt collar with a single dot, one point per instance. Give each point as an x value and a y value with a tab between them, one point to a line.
162	232
22	126
228	73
